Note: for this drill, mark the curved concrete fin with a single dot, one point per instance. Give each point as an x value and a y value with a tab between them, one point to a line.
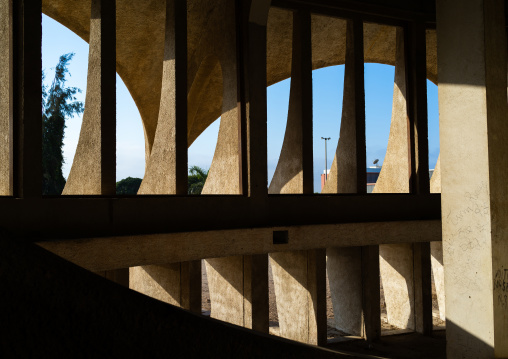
394	176
224	174
160	173
300	296
344	264
343	170
85	175
396	261
226	281
288	176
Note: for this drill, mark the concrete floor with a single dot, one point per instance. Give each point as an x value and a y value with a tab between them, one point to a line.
402	346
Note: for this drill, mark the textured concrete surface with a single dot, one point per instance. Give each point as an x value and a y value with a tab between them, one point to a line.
98	254
212	71
225	280
168	282
473	112
85	174
226	276
342	176
396	261
159	282
297	293
344	264
394	173
396	267
140	62
473	127
5	98
290	279
345	279
160	173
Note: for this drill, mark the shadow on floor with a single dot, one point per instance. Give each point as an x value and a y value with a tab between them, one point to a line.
402	346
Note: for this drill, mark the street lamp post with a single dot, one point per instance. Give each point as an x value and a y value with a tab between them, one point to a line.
326	159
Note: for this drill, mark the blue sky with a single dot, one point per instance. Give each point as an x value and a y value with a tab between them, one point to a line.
327	95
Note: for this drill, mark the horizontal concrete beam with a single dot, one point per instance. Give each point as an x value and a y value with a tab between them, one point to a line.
368	9
99	254
72	217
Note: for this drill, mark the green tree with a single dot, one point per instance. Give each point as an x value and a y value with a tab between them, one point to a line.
196	180
58	103
128	185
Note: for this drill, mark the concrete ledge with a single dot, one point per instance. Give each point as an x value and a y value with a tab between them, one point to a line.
98	254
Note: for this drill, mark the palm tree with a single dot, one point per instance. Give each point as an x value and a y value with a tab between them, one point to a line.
196	180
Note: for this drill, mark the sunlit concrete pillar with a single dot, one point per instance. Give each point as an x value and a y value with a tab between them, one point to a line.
239	290
344	265
436	249
396	261
396	267
88	167
6	100
94	167
238	285
299	277
177	283
473	130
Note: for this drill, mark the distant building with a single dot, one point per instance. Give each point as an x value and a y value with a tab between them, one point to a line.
323	179
372	176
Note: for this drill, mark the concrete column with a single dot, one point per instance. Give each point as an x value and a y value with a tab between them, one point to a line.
93	169
297	280
238	285
436	249
239	290
6	98
299	277
396	261
178	283
344	265
396	267
473	130
87	171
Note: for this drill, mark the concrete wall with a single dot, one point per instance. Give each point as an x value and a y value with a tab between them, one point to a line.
473	126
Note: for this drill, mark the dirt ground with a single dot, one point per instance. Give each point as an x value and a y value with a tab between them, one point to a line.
332	332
